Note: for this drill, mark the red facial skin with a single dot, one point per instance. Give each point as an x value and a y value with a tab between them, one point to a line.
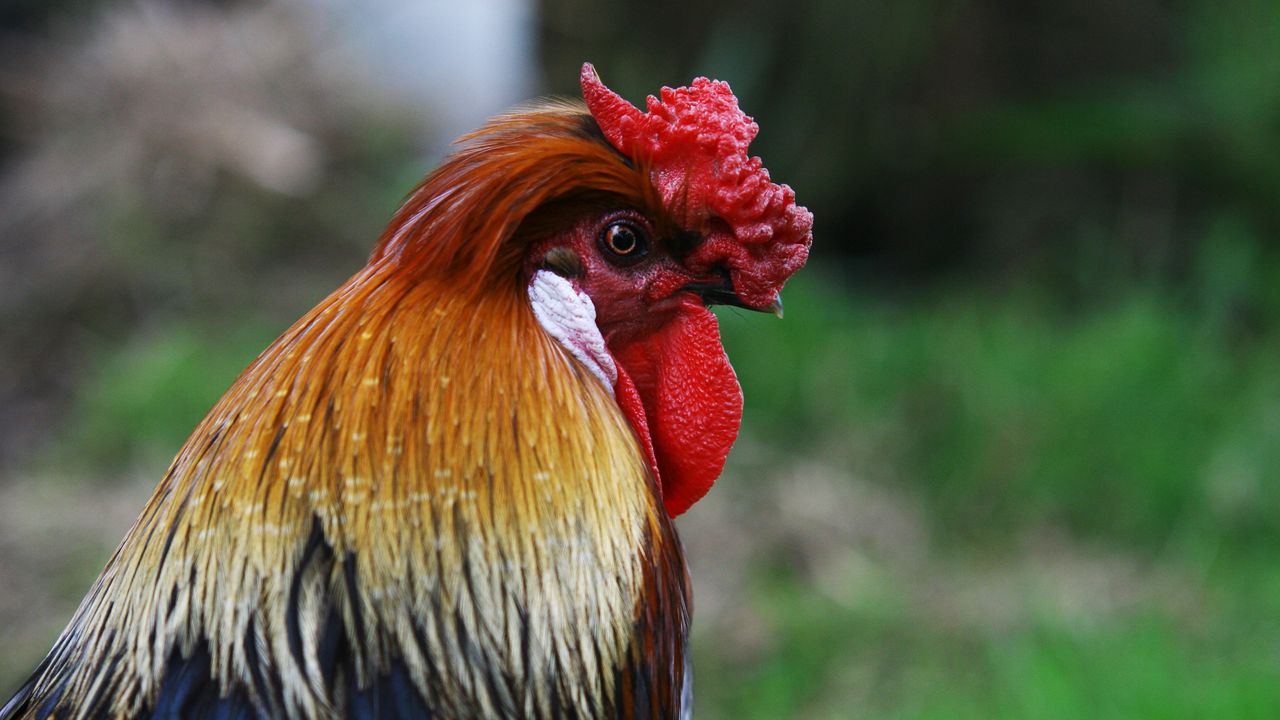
631	299
694	142
675	384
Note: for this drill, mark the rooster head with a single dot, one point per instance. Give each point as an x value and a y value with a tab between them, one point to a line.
626	286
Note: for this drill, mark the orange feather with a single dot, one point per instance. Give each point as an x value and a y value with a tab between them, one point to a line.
417	464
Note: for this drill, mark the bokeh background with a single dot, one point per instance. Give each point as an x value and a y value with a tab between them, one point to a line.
1013	453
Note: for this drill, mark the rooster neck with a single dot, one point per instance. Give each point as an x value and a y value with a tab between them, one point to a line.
417	476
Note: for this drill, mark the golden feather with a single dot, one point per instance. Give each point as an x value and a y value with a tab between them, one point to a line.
416	463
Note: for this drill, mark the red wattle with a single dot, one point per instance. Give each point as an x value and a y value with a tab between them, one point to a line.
692	403
633	409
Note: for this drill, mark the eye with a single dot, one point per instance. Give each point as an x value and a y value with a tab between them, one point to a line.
624	242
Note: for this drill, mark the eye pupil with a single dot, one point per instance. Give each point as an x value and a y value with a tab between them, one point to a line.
622	239
624	242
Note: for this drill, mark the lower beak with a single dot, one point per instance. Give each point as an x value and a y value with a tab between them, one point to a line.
722	293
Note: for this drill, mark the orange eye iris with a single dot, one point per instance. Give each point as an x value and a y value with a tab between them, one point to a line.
624	241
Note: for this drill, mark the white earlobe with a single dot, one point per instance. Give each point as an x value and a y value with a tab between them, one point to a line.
569	316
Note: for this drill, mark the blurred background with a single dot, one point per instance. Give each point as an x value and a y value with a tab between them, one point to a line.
1013	453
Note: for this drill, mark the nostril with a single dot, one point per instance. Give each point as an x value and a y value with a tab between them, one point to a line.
684	242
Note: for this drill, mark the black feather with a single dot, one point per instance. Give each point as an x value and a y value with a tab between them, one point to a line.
392	696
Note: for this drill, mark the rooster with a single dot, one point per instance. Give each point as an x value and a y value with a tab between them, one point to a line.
447	491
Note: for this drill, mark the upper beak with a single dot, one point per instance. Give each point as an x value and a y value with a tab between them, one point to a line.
721	293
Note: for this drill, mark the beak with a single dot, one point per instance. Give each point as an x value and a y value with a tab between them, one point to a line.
722	293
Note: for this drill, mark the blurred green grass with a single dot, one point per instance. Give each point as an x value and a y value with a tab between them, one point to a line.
1144	426
144	399
1137	422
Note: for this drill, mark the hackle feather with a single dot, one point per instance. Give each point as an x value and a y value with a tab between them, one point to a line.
412	501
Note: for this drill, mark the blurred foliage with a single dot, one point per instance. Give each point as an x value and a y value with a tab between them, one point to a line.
175	161
1012	453
146	399
1136	422
1080	145
1137	428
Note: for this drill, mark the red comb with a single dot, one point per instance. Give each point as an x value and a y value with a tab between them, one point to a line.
694	140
